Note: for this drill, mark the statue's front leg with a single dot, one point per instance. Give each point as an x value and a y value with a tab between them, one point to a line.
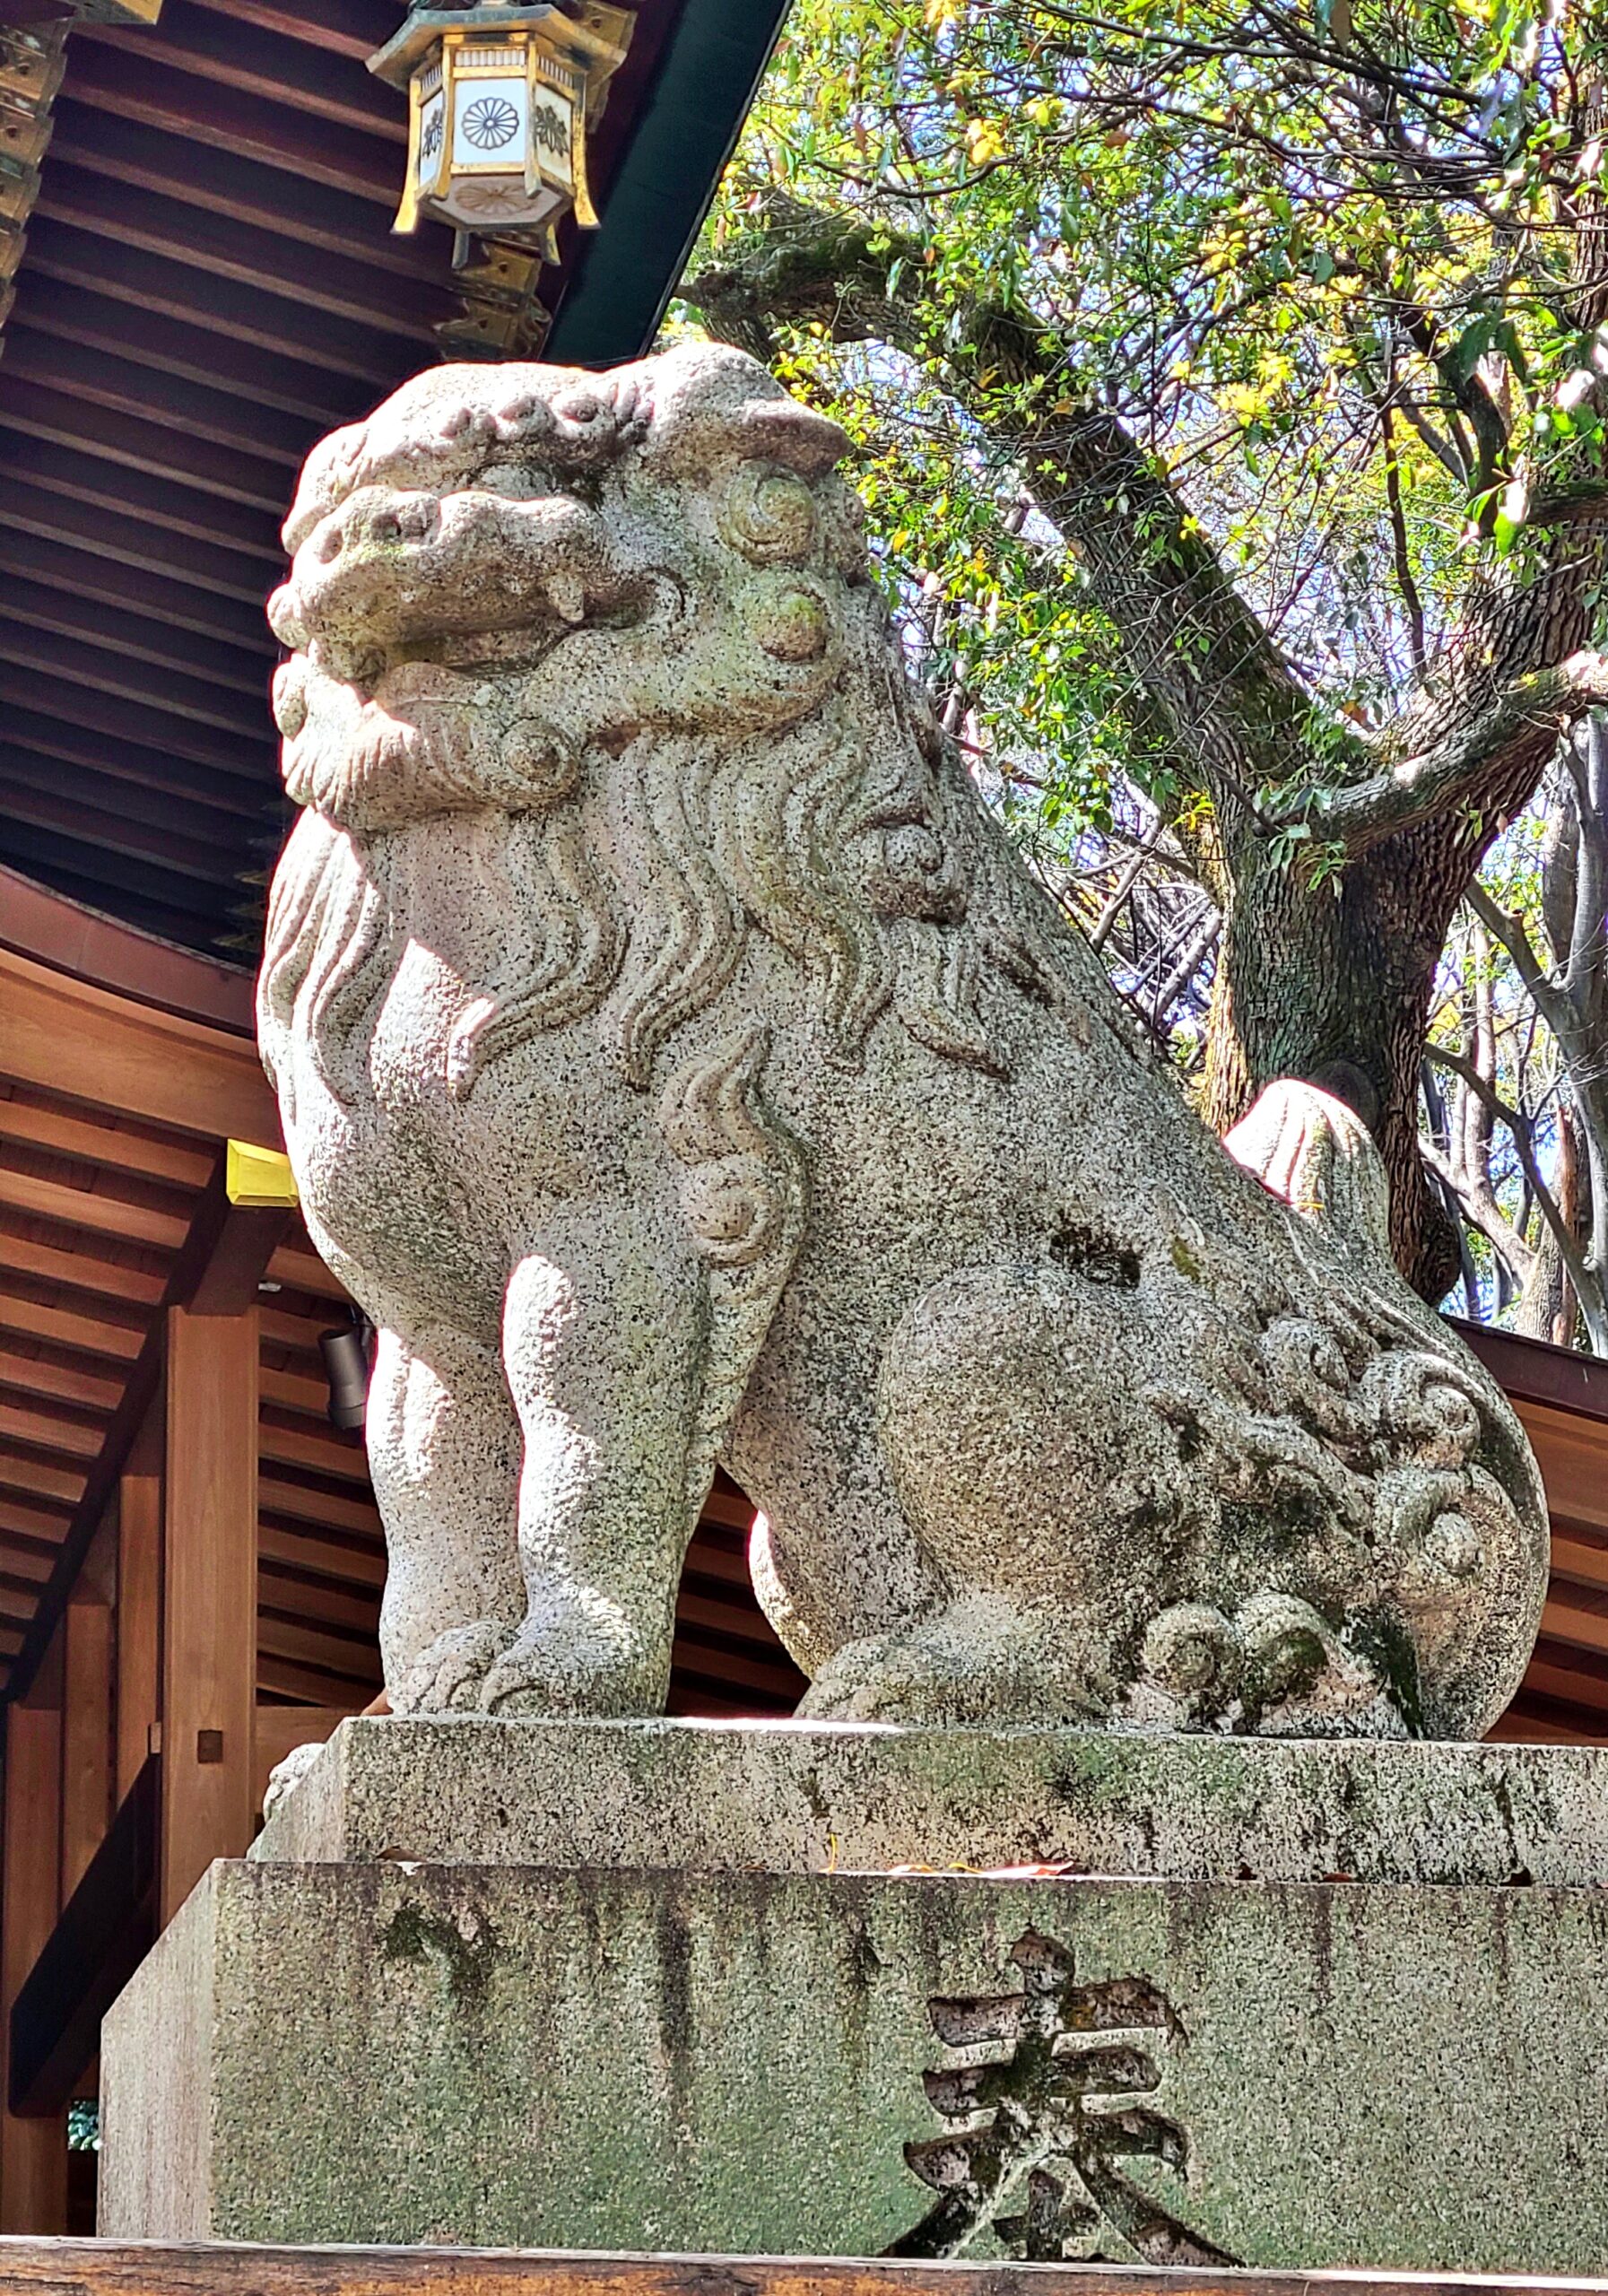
603	1351
444	1451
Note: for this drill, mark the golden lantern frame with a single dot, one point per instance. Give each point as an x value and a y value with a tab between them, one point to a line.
561	64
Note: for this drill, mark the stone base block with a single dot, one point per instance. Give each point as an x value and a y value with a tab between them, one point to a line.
1296	2074
801	1797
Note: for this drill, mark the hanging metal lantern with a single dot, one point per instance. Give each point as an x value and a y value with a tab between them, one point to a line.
501	102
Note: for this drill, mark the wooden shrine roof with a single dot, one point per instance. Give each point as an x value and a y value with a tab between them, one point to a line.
208	282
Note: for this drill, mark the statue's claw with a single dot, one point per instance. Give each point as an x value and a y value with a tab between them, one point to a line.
447	1675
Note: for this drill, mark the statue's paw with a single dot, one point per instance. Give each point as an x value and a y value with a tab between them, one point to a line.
286	1776
975	1664
545	1671
449	1673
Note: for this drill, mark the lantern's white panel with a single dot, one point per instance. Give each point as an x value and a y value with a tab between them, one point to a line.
433	127
552	126
490	120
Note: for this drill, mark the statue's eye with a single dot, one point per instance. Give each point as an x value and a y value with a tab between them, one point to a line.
768	514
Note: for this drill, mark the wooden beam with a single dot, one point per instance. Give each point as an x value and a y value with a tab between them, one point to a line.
198	410
56	412
57	1435
131	540
139	1600
299	1266
319	1507
350	1659
95	1209
86	1769
33	2154
243	56
106	1928
94	814
39	1480
318	1605
52	564
37	1375
354	303
67	1327
230	2268
142	810
106	1141
131	87
133	727
313	1557
329	1451
54	653
45	1526
127	492
209	1596
231	1244
226	183
80	1271
147	786
309	1686
88	1043
214	1273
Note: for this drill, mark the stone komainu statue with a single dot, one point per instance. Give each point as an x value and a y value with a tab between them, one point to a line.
678	1066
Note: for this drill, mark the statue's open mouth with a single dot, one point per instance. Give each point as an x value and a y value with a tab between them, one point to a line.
405	577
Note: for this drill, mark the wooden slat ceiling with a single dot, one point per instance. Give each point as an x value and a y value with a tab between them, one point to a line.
210	283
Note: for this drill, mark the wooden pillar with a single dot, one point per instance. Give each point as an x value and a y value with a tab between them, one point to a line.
33	2154
139	1602
86	1761
209	1595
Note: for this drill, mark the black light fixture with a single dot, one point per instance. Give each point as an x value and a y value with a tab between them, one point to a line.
347	1354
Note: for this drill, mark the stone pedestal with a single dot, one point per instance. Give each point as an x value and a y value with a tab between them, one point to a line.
653	1986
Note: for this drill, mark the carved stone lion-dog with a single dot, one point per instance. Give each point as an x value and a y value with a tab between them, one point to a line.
678	1067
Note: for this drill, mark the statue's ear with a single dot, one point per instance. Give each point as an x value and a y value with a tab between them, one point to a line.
783	431
711	401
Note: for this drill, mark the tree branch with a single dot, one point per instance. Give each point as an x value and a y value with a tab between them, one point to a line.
1534	709
1499	1232
1208	684
1548	999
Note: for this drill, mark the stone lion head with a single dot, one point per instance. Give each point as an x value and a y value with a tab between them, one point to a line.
573	558
631	619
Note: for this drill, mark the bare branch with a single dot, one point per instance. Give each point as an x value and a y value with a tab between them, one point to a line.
1581	1274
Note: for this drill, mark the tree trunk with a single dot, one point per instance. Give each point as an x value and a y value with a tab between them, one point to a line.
1546	1306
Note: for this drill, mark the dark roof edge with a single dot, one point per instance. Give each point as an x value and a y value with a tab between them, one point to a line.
624	274
90	945
1533	1371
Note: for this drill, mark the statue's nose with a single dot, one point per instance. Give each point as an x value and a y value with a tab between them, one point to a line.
376	521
